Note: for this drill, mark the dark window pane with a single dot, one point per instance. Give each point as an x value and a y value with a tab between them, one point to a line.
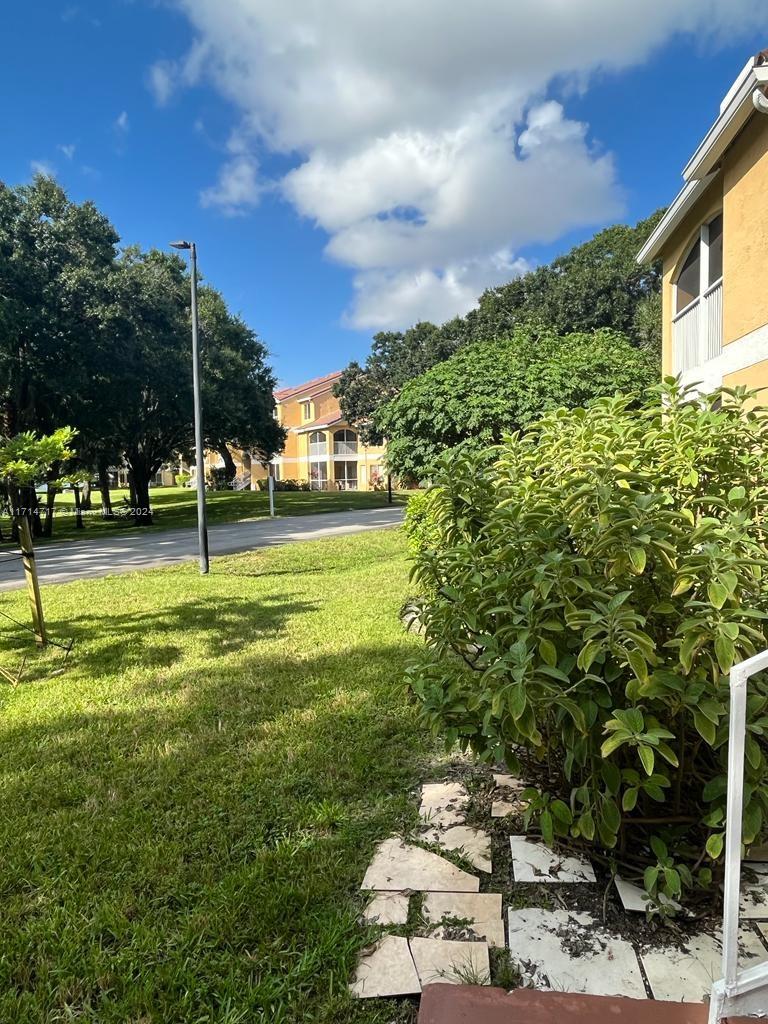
715	249
688	280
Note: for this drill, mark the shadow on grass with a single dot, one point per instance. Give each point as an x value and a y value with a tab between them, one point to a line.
192	850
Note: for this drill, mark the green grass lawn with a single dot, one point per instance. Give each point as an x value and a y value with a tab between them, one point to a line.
176	506
189	808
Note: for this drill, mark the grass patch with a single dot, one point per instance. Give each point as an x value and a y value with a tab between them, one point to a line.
176	506
190	807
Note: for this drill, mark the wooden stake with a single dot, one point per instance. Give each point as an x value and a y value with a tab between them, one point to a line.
33	586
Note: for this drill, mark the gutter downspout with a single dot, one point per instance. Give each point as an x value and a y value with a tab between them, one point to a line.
760	101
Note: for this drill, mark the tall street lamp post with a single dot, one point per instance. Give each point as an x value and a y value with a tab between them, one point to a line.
202	526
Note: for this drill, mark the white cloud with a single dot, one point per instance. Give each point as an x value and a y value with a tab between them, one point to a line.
424	141
42	167
122	124
161	81
237	189
68	150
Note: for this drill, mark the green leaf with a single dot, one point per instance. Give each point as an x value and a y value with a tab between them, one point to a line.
548	652
650	877
546	826
647	758
714	846
629	799
704	727
614	742
717	594
637	559
725	652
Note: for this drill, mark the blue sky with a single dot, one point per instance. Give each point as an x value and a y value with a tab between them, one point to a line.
205	145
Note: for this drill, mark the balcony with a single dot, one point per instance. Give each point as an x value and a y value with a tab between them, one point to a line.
318	450
697	330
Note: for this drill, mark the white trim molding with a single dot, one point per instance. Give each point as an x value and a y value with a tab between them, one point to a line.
737	355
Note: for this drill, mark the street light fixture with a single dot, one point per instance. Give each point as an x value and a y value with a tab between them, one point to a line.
202	527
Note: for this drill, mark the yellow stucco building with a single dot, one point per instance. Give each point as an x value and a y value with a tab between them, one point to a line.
321	447
713	242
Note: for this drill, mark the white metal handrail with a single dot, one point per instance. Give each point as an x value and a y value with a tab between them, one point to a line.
743	992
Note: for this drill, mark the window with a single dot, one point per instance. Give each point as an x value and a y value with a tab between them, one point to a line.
318	476
689	279
344	442
317	444
715	246
703	266
345	475
306	411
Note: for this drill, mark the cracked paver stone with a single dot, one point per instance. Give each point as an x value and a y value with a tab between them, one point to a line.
473	844
443	803
569	951
387	908
687	975
388	970
753	904
535	862
481	910
397	865
636	899
450	962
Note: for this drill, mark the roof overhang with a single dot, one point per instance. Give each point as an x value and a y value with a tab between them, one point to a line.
735	110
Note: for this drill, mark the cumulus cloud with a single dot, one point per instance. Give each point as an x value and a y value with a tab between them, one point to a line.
424	136
237	189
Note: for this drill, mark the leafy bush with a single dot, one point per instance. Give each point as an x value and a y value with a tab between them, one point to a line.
587	587
182	479
284	485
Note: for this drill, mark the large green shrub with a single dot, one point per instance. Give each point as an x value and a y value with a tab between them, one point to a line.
587	586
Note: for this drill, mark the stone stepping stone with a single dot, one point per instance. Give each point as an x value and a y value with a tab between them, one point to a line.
535	862
443	804
473	844
450	962
633	898
481	910
686	975
388	970
502	808
387	908
509	782
567	951
753	904
398	865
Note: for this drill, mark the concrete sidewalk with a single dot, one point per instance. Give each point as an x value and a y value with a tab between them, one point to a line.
126	552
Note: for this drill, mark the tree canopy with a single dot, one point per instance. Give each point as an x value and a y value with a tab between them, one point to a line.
486	390
100	339
597	284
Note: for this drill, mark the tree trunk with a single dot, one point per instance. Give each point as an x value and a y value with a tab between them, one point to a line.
78	507
106	497
229	462
139	478
50	502
85	495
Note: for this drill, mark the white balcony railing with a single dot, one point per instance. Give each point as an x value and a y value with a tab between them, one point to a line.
697	331
318	450
345	447
738	993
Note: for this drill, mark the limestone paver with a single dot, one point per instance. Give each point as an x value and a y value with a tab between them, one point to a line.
501	808
686	975
473	844
754	894
443	804
636	899
388	970
387	908
535	862
398	865
482	911
509	782
571	952
454	963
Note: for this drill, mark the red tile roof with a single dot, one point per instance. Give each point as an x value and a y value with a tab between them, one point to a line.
323	421
310	385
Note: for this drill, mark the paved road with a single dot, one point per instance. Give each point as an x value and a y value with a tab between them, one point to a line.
58	563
